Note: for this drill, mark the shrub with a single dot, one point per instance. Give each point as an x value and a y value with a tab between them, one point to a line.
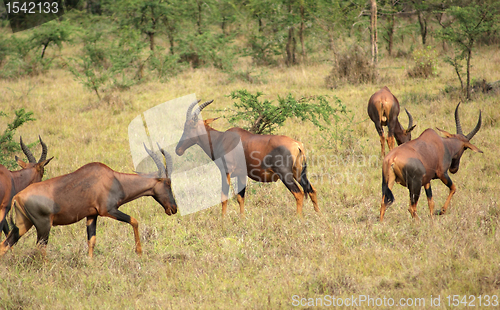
8	147
353	67
425	63
264	117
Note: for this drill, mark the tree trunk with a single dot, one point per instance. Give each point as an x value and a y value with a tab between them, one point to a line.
469	55
44	48
390	34
423	27
301	33
198	21
151	36
223	25
290	47
373	30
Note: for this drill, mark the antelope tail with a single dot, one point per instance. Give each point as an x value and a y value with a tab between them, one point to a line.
387	176
302	164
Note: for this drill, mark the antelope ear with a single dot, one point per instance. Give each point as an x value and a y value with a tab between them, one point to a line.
21	163
444	132
47	161
210	120
472	147
410	129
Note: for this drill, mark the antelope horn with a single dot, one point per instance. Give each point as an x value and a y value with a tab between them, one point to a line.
410	119
161	169
191	106
27	152
201	107
44	150
168	160
476	129
457	121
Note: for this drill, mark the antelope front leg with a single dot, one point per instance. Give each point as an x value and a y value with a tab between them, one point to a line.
122	217
226	180
448	182
242	183
91	231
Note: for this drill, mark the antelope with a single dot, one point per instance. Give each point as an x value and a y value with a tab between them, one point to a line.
91	191
415	163
383	109
267	158
12	182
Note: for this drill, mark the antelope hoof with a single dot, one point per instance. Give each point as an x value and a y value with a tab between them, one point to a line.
439	212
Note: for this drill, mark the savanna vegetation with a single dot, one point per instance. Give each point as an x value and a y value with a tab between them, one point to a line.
80	81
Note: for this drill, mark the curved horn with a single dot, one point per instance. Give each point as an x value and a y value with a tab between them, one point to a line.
410	119
168	160
27	151
191	106
201	107
476	129
457	121
44	150
161	169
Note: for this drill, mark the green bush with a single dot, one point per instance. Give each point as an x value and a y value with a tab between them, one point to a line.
425	63
9	147
353	67
264	117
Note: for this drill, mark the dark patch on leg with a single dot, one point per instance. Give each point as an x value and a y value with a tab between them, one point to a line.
304	182
92	227
428	192
119	215
4	226
387	195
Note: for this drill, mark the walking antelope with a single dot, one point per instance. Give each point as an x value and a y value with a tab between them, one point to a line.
12	182
416	163
267	158
91	191
383	109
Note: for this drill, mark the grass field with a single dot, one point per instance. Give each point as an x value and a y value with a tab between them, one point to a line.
263	260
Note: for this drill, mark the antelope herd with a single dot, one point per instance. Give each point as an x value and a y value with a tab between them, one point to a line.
96	190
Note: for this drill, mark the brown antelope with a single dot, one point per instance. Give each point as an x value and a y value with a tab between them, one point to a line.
93	190
416	163
267	158
12	182
383	109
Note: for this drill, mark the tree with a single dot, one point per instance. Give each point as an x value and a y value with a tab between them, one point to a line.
373	31
264	117
467	25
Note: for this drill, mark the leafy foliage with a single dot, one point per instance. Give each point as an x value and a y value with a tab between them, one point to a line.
468	24
8	147
425	62
264	117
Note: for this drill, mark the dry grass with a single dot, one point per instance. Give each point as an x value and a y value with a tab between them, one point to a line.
261	261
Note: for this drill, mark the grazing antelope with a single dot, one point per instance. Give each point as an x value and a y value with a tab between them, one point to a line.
383	109
12	182
416	163
267	158
93	190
